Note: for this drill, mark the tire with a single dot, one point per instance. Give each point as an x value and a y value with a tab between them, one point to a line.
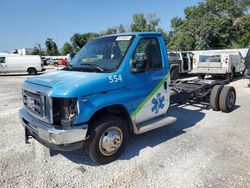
175	74
32	71
201	76
214	97
97	146
56	64
227	99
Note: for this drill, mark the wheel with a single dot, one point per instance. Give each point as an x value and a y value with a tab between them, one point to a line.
201	76
56	64
107	139
227	99
32	71
175	74
214	97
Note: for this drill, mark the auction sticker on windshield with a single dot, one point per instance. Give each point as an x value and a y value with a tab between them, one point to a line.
123	38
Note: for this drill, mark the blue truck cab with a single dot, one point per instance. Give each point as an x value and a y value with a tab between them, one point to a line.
115	85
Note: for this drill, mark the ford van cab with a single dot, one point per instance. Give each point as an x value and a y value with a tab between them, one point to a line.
114	86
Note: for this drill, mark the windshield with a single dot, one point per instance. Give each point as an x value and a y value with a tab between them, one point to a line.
102	54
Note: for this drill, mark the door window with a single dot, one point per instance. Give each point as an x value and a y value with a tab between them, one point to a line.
148	55
2	59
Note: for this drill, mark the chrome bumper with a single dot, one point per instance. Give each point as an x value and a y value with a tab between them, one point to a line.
210	71
48	134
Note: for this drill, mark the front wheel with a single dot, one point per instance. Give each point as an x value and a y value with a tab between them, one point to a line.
108	137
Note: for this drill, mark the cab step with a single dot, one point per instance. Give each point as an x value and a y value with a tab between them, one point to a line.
155	123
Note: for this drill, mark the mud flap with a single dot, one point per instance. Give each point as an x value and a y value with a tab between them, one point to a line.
27	136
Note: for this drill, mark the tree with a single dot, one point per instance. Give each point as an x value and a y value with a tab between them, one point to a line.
139	23
121	28
38	50
243	32
152	22
209	25
142	23
67	48
51	48
79	40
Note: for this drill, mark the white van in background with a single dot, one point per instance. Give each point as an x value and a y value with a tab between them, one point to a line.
10	63
227	64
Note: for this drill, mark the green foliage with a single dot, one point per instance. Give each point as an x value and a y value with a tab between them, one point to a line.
243	32
212	24
67	48
38	51
121	28
51	47
139	23
142	23
79	40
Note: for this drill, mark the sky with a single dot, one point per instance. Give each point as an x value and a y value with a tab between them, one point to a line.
26	23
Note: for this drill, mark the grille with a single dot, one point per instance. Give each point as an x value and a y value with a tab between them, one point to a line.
33	102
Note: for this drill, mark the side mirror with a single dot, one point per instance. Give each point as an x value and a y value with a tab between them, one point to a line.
139	65
136	66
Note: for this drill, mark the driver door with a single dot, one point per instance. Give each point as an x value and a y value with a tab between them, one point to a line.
149	86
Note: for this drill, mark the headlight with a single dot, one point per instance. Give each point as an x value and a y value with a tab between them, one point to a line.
64	111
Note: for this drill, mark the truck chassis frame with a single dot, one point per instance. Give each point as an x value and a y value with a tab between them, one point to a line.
193	90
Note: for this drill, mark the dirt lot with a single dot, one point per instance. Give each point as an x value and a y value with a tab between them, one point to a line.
202	149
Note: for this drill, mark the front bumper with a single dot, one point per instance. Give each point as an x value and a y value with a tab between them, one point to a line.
56	139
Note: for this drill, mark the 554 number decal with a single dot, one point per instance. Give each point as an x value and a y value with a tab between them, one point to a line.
115	78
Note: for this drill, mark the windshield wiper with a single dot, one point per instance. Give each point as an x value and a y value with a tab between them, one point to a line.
93	65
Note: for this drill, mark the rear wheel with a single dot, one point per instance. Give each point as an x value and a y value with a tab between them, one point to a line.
108	137
32	71
227	99
175	74
215	96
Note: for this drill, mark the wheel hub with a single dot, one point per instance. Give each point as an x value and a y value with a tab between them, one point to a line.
110	141
231	99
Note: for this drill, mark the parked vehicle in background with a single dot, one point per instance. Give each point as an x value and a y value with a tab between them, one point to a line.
45	63
218	63
70	56
10	63
180	62
62	61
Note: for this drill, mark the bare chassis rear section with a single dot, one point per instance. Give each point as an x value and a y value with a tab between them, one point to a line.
190	90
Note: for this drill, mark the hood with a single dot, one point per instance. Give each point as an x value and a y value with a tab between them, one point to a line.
74	84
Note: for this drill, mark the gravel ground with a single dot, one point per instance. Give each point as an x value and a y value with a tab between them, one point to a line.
202	149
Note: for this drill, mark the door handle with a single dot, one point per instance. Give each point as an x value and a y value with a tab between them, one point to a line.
165	85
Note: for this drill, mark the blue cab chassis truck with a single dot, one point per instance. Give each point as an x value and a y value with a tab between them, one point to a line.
115	86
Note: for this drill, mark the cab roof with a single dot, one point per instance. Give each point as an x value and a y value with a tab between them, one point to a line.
134	33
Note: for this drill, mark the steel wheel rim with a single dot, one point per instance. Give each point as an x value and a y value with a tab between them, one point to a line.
231	99
110	141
